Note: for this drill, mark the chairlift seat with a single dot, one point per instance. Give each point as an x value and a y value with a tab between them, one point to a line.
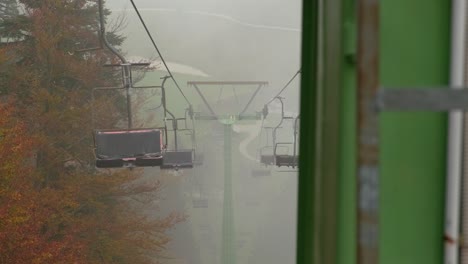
128	148
177	159
198	159
109	163
267	159
286	160
200	203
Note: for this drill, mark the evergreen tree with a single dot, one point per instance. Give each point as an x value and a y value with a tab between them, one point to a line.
8	9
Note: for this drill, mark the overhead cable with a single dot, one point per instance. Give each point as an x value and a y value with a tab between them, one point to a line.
157	50
284	88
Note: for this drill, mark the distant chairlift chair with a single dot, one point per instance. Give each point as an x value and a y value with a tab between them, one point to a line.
128	148
178	158
266	153
288	159
262	171
266	157
199	198
284	159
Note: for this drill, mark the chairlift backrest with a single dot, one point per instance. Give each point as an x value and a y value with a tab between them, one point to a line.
178	159
127	143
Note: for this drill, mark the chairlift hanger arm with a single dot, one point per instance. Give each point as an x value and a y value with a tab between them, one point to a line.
296	134
166	111
103	33
126	67
281	121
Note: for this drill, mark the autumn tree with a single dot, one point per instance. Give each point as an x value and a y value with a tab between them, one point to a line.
25	210
65	210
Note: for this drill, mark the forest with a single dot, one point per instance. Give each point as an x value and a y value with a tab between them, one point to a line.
55	206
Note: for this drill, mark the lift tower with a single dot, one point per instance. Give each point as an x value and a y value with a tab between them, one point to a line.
228	254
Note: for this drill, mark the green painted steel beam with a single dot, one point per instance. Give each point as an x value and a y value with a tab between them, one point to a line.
306	233
228	253
415	45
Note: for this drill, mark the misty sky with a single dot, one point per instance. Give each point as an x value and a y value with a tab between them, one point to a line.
232	40
274	12
229	40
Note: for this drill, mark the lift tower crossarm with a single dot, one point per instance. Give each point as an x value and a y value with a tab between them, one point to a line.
241	115
126	67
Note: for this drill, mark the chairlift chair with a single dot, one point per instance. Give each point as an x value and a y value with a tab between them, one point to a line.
118	148
179	158
199	199
284	159
200	203
131	147
176	159
266	153
198	158
267	159
287	159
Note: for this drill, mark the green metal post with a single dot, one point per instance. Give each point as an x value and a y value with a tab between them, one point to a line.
306	229
228	254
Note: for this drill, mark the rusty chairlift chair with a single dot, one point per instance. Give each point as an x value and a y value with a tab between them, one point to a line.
130	147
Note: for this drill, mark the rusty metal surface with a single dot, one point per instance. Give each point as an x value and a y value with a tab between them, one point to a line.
367	133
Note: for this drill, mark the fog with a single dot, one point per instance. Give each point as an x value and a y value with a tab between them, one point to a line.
225	40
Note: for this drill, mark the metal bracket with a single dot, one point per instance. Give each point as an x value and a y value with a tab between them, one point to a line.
442	99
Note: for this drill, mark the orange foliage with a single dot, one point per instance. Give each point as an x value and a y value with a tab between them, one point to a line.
54	206
23	214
